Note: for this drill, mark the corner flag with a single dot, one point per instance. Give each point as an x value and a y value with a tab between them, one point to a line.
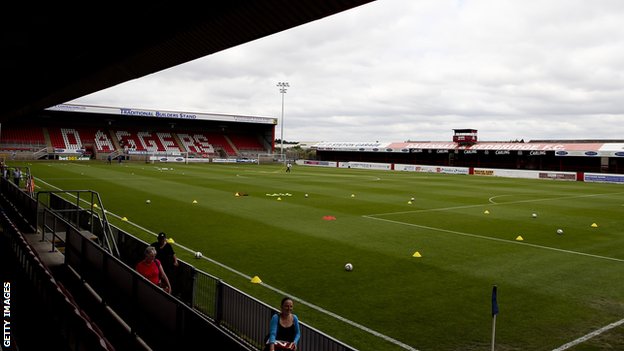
494	302
494	313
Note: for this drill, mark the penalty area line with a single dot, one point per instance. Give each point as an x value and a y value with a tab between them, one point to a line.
283	293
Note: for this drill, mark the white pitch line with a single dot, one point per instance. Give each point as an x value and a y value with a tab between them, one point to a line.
247	277
490	203
584	338
491	200
496	239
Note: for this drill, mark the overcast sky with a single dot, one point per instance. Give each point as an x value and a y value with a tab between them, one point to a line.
394	70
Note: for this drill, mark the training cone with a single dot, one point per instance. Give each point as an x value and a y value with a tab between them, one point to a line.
519	238
594	225
279	199
194	201
486	212
95	205
237	194
352	195
171	241
416	254
409	202
256	280
125	219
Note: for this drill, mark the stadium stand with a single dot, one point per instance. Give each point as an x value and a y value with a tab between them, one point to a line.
103	142
196	142
142	141
22	138
221	141
65	138
246	142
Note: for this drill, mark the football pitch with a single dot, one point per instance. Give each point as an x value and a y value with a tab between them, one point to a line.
552	288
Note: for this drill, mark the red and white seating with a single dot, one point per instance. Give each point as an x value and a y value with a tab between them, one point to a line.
71	139
143	141
246	142
196	142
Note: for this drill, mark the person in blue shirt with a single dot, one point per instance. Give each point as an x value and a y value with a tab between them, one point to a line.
284	328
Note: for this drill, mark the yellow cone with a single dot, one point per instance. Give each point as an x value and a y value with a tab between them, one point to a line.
170	241
519	238
237	194
194	201
416	254
95	205
124	219
352	195
486	212
279	199
256	280
409	202
594	225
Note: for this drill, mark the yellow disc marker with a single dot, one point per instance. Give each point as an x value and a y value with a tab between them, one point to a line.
194	201
594	225
519	238
171	241
486	212
125	219
256	280
417	254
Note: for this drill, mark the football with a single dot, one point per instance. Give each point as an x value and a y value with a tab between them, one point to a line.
348	267
559	231
198	254
148	201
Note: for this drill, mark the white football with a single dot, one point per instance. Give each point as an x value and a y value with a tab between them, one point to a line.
534	215
148	201
198	254
559	231
348	267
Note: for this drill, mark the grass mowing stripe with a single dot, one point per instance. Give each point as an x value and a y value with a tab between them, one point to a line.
550	297
313	306
495	239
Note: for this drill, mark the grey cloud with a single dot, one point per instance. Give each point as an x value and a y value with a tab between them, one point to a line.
401	69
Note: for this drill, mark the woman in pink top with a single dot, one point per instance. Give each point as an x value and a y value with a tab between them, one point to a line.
151	269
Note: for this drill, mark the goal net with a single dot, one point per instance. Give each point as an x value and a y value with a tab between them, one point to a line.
271	158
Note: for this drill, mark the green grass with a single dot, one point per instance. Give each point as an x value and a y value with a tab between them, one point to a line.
552	288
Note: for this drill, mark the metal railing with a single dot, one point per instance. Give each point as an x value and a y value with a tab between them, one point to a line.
70	322
96	221
198	296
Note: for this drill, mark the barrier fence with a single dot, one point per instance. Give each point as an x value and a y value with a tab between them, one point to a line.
202	305
72	324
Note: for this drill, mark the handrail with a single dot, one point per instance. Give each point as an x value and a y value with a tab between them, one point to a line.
96	211
239	313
